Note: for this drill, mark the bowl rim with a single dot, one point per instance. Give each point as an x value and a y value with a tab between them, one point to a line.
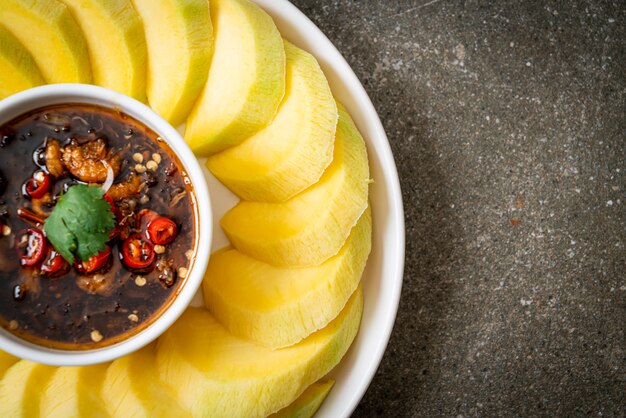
300	30
47	95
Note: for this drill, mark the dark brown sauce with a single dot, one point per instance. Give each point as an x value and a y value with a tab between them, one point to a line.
70	311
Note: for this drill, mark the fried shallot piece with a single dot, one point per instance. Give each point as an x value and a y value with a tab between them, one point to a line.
104	284
128	188
88	161
54	155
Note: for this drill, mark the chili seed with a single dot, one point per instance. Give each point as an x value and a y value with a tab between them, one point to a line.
140	168
159	249
182	272
13	325
6	230
133	317
152	165
23	239
189	254
156	157
138	157
96	336
140	281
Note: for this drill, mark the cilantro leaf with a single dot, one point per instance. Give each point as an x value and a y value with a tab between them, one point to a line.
80	223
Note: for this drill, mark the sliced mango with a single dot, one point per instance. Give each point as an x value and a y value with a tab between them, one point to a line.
278	307
308	403
74	392
311	227
179	35
19	70
6	361
116	43
21	387
246	80
48	30
292	152
215	374
132	388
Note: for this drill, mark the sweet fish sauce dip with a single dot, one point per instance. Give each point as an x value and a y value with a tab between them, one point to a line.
47	152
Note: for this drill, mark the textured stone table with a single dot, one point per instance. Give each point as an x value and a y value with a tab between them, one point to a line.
508	124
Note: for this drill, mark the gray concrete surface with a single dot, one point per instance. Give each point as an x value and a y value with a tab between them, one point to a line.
508	124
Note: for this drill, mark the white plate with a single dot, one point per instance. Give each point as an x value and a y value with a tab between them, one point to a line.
382	280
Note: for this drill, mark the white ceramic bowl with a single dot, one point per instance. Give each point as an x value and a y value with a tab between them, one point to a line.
382	280
38	97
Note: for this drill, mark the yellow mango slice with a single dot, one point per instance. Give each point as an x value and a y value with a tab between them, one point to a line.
6	361
19	71
246	80
215	374
312	226
308	403
49	31
278	307
292	152
179	35
116	43
74	392
132	388
21	387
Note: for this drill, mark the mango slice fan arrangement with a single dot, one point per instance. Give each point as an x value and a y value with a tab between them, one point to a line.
284	301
